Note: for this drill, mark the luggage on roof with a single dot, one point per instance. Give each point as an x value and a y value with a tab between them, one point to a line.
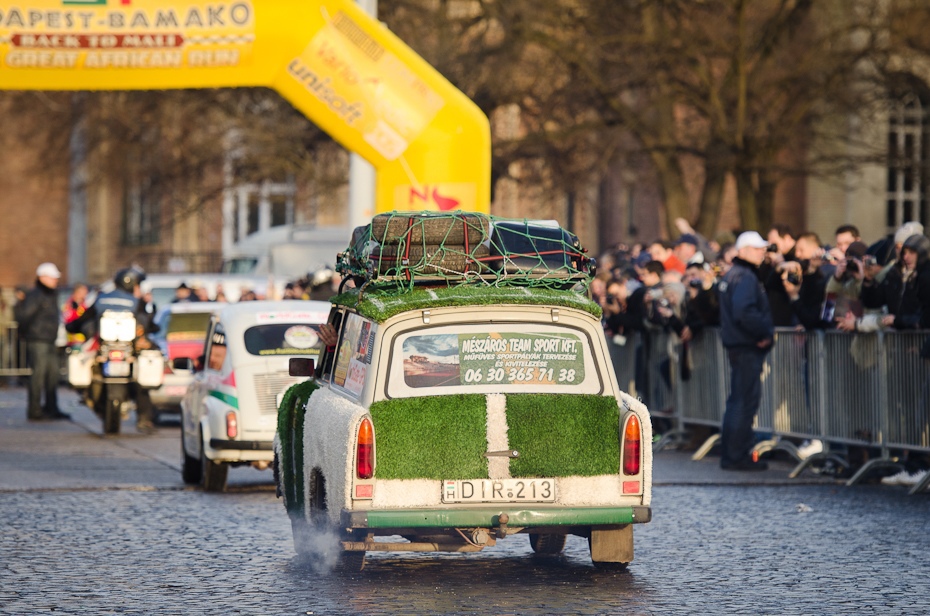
410	248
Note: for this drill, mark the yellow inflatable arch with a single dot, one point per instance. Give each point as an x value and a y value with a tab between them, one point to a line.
429	143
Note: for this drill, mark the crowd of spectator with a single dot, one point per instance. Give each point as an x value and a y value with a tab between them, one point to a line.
848	286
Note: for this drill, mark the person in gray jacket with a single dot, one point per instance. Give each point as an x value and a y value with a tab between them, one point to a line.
747	332
38	318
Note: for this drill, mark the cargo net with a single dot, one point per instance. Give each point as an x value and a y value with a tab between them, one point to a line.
405	249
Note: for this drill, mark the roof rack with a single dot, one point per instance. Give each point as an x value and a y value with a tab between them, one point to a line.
408	249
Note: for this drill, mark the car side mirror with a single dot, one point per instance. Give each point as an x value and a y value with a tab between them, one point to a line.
182	363
300	366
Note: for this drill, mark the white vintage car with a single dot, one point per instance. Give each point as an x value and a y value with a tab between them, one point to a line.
448	417
229	413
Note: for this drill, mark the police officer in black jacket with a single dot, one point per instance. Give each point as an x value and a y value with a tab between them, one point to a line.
747	333
38	317
126	296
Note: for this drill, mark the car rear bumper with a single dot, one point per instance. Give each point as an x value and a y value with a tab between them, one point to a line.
217	443
488	517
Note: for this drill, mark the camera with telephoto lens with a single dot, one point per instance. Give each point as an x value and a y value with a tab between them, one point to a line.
853	267
772	248
793	278
697	283
869	260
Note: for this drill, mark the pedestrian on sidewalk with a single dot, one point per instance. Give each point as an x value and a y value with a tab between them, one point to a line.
747	332
38	317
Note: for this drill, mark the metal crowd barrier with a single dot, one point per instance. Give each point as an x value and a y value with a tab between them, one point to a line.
12	353
852	390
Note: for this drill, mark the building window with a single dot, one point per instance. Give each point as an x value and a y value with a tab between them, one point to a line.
259	207
253	216
141	213
908	154
282	209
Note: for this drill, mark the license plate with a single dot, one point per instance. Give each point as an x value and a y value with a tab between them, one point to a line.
498	490
116	368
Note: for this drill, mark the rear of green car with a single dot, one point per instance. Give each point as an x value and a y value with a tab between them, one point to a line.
471	423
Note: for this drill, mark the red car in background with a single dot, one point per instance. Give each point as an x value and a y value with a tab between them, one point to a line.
183	328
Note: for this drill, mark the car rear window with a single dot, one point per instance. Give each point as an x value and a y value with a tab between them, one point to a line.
505	358
283	339
188	326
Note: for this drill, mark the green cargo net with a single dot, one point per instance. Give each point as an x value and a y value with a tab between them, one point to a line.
406	249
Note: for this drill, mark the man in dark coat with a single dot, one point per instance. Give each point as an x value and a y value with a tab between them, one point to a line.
747	333
38	318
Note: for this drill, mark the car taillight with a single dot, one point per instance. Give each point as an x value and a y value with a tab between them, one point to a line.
232	424
116	356
631	446
365	451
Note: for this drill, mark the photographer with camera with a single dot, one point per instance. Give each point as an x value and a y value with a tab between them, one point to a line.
804	281
780	249
703	308
844	237
619	320
665	305
845	286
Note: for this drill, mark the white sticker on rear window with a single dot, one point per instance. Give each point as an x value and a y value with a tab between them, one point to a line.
301	337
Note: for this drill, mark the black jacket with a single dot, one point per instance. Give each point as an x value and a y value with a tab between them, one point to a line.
633	319
908	300
745	315
808	308
38	315
703	310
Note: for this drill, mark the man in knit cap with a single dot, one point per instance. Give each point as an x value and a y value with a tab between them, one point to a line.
38	317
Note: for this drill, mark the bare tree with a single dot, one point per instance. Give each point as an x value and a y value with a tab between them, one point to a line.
173	144
749	89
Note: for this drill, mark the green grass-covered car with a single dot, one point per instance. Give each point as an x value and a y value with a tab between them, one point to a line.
448	416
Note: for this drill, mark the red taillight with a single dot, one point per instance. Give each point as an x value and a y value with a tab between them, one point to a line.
116	356
365	451
232	425
631	446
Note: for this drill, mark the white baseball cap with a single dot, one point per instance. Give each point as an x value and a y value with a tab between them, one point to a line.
750	239
49	270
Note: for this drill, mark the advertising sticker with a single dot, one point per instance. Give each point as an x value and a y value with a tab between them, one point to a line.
505	358
354	355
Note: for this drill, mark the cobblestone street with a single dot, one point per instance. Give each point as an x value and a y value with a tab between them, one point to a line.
105	525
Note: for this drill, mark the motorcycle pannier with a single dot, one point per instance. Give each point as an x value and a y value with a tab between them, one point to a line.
150	368
80	368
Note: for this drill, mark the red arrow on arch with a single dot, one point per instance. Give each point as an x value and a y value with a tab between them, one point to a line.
444	203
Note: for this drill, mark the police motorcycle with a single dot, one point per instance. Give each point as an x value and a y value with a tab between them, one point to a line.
119	363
